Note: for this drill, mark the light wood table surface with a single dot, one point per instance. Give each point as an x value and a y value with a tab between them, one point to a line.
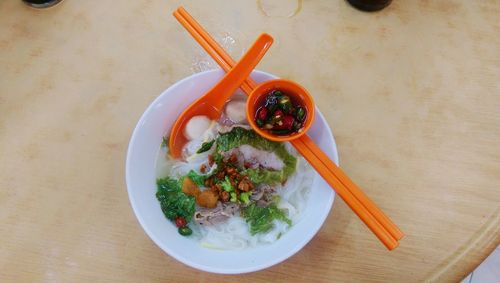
412	94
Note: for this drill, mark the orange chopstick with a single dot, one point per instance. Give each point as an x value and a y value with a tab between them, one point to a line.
355	190
369	213
364	214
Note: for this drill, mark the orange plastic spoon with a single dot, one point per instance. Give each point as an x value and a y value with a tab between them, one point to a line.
212	102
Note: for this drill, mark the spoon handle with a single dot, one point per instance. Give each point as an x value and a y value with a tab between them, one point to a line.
220	93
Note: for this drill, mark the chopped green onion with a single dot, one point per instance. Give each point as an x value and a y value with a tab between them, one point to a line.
185	231
226	185
233	197
275	119
245	197
272	108
301	113
285	103
259	122
164	141
268	126
278	93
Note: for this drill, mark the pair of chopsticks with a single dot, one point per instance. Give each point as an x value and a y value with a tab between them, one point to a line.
369	213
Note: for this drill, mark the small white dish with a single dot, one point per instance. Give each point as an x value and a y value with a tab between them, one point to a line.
141	183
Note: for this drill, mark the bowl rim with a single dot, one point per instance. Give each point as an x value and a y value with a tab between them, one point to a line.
183	259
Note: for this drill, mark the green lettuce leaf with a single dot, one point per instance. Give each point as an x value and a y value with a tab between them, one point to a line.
173	202
198	179
264	176
261	219
168	184
206	146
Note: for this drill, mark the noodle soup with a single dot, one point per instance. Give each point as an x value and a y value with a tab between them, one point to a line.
232	189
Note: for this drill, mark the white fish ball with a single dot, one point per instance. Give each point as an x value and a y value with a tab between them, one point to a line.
236	111
196	127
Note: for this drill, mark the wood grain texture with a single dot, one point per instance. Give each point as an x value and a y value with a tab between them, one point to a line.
412	94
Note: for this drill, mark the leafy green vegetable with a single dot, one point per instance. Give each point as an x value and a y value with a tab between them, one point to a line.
226	185
217	158
205	146
168	184
239	136
173	202
197	178
164	141
264	176
245	197
261	219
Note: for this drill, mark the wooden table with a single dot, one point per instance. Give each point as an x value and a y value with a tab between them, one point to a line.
412	94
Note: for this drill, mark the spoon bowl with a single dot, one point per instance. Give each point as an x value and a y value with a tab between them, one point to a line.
211	104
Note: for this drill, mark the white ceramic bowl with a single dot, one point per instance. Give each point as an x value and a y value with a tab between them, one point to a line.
141	183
